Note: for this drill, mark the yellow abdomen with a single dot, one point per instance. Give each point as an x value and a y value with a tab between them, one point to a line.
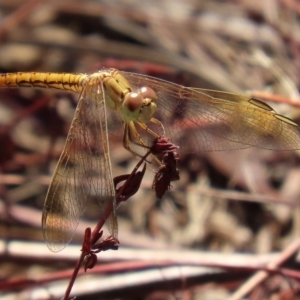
62	81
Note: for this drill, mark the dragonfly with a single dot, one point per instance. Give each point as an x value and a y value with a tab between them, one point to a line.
138	109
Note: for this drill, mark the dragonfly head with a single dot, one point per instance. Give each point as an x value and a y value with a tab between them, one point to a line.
139	106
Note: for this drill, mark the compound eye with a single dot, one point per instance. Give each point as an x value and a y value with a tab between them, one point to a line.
148	93
132	105
133	101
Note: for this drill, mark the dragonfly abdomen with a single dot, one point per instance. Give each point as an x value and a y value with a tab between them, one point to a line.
62	81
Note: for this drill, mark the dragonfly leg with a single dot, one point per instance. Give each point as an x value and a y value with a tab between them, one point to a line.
159	124
150	131
132	136
128	138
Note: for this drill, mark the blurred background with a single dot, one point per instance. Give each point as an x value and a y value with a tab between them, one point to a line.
232	212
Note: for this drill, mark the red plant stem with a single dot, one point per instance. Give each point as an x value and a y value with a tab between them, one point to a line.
119	199
95	233
74	276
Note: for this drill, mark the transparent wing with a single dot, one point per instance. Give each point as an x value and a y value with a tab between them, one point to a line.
83	171
206	120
